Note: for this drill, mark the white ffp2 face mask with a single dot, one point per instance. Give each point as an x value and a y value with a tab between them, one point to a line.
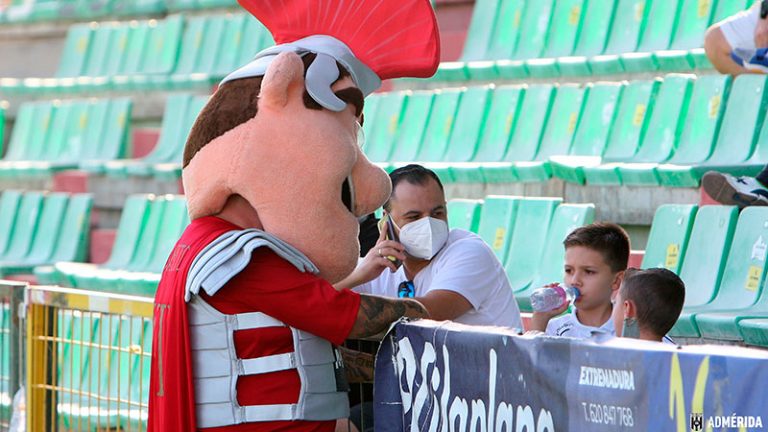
425	237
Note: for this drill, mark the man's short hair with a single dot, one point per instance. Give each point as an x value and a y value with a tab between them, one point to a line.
607	238
658	295
413	174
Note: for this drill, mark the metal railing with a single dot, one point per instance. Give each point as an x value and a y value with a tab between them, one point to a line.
89	360
11	347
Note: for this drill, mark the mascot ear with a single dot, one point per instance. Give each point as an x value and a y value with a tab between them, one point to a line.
284	75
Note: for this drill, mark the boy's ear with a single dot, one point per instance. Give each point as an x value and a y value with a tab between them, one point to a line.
617	280
630	309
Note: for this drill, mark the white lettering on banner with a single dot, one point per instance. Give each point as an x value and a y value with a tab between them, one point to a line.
734	421
607	378
608	414
485	415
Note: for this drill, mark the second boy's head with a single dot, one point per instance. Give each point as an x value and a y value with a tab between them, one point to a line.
654	297
596	256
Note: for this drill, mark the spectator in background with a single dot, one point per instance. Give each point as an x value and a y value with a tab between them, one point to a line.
737	45
453	273
648	304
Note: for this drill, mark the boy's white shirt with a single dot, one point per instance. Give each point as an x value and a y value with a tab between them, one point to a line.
569	325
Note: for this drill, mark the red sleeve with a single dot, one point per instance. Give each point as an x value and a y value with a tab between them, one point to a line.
274	286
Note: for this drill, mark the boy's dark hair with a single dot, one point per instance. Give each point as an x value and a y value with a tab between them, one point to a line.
658	295
413	174
607	238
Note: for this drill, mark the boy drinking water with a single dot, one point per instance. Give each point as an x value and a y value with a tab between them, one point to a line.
596	257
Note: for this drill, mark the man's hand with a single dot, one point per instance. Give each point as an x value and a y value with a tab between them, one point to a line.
375	261
376	314
761	31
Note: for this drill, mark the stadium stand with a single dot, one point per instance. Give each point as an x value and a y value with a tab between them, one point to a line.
613	95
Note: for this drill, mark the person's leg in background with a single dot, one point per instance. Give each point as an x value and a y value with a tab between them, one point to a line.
739	191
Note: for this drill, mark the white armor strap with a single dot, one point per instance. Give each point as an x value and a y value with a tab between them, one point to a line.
273	363
255	320
230	253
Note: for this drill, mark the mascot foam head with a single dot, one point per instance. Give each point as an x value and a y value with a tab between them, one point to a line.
282	131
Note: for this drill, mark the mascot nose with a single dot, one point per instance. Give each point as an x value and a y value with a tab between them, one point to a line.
371	186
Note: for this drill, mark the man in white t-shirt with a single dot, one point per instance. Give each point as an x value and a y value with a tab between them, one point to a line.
738	44
453	273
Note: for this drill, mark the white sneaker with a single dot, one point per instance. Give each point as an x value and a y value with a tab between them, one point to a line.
739	191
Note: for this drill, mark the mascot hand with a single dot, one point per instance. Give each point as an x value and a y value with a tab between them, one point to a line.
380	257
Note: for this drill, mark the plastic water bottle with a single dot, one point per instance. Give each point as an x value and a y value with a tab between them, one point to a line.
552	297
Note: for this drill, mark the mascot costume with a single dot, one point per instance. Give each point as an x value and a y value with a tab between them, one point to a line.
246	317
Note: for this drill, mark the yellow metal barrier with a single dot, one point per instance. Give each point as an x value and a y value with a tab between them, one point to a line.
88	360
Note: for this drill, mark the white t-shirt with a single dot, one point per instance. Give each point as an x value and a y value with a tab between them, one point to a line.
467	266
739	32
569	325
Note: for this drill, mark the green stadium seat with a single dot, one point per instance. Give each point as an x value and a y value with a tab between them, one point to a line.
743	275
23	232
136	46
529	126
754	331
477	42
370	108
410	133
132	221
528	239
144	280
228	58
497	219
565	26
700	132
558	136
663	133
139	7
566	218
694	18
171	169
108	279
499	124
724	325
9	204
174	119
2	128
534	28
705	256
592	128
596	23
623	37
180	5
462	145
255	38
464	214
627	133
506	30
161	54
74	57
77	331
386	124
442	120
190	51
90	8
739	130
656	36
216	3
668	239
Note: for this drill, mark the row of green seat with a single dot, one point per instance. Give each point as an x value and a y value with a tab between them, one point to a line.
5	364
164	161
50	136
38	228
148	229
526	234
23	11
103	371
171	54
514	39
721	256
646	132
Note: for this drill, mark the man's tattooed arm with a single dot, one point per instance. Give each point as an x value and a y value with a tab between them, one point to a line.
377	313
359	365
